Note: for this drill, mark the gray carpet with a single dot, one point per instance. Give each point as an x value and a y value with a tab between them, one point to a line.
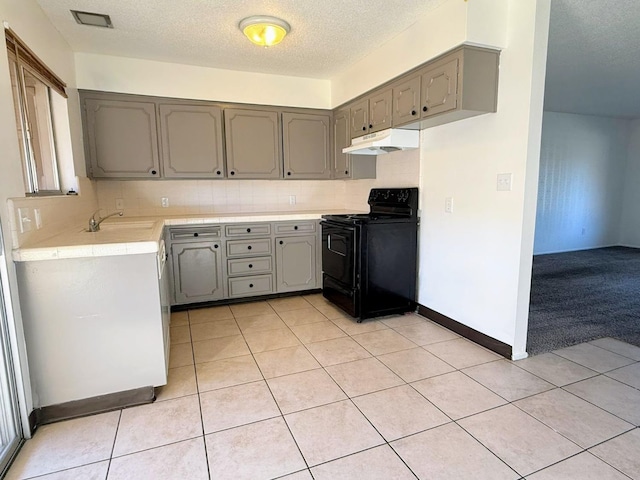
581	296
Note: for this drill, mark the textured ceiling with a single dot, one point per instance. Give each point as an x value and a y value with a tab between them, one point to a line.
326	35
593	64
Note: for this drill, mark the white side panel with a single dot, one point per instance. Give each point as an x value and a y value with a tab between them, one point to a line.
582	175
93	326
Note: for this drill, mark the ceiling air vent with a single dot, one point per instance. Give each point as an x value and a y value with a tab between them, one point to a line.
92	19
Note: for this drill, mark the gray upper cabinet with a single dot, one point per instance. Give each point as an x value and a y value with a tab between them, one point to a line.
460	84
121	138
371	114
406	101
380	110
253	143
345	165
306	145
197	272
295	263
440	87
191	138
341	139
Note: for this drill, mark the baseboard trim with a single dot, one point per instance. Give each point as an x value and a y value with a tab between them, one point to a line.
467	332
93	405
233	301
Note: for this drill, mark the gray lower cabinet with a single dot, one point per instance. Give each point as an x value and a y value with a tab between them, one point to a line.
306	145
214	262
121	139
197	272
252	139
191	138
296	263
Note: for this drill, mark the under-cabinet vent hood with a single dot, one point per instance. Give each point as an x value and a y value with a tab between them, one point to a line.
384	141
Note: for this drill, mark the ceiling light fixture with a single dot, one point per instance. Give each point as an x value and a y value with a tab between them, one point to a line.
264	31
92	19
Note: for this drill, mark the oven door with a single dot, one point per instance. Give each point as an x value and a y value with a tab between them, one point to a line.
339	245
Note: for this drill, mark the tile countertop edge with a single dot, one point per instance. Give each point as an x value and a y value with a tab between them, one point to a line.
62	246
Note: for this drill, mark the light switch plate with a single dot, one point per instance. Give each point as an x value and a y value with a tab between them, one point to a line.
504	182
164	202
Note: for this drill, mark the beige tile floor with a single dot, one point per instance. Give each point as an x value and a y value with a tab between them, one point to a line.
293	389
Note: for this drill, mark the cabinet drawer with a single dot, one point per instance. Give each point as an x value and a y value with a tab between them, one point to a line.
189	233
246	266
254	285
243	248
296	227
245	230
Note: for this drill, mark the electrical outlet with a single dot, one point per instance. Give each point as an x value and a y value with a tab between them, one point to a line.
24	219
165	202
292	199
119	204
504	182
38	218
448	205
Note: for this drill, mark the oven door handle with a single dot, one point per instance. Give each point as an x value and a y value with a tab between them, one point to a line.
331	249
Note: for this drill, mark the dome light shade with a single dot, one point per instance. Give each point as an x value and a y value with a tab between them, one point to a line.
264	31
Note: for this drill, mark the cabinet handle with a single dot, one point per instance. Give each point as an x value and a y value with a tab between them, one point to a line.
232	172
425	108
364	128
249	247
295	228
251	265
215	245
196	234
251	285
218	172
288	173
281	242
248	230
346	172
370	126
153	172
413	112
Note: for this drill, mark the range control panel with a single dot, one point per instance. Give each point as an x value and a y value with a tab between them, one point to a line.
390	200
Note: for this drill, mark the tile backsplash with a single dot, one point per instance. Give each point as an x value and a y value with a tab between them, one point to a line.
57	213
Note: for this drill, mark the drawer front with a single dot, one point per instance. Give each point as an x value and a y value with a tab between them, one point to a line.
305	227
246	230
253	285
189	233
244	248
249	266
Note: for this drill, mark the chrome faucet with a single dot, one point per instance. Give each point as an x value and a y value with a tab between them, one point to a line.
94	225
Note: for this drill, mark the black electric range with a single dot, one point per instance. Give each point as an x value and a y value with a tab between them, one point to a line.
369	261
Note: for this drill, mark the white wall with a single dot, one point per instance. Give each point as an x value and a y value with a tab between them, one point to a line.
630	225
29	22
582	176
475	263
147	77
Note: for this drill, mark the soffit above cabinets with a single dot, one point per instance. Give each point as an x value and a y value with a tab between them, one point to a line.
326	36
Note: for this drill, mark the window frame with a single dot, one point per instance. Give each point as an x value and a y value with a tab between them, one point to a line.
21	60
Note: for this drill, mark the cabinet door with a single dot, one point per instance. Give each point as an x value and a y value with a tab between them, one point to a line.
380	111
440	88
191	137
359	118
122	138
406	101
197	272
295	263
306	145
341	139
253	144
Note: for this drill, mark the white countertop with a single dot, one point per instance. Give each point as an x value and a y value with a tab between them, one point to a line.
136	235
